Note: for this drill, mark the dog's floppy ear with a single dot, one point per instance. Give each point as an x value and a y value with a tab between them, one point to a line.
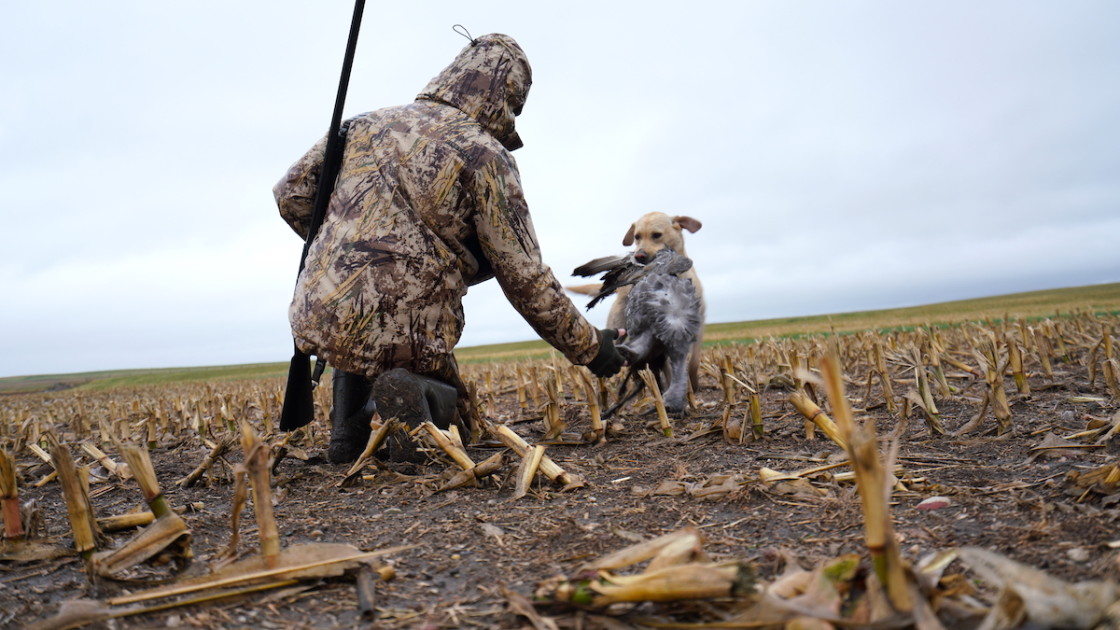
628	240
688	223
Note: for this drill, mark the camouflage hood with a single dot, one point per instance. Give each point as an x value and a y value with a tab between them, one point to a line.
488	81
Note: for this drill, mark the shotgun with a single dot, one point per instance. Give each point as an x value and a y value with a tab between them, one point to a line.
299	405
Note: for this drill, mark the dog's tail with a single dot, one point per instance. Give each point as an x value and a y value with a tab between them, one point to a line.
586	289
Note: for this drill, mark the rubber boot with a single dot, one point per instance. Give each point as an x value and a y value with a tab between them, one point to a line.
413	400
351	411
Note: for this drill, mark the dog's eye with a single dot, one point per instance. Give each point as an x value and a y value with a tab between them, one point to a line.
656	235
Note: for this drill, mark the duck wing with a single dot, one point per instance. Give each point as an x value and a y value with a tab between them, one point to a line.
618	271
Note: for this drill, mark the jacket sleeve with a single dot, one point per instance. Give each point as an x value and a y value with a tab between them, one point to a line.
295	192
505	232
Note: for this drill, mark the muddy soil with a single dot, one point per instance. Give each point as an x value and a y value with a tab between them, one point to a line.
476	550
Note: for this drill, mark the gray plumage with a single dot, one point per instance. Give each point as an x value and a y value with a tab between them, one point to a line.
662	320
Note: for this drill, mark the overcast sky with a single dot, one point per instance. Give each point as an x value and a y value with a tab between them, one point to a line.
841	155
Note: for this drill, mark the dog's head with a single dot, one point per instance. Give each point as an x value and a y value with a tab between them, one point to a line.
656	231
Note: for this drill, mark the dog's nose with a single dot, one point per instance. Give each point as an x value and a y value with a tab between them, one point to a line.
641	256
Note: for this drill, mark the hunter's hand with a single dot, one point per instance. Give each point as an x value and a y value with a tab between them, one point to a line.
608	361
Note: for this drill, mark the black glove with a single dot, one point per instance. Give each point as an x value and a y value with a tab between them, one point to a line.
608	362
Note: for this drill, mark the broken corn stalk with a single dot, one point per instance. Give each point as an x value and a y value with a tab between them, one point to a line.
814	414
550	469
672	583
300	561
77	613
41	454
128	520
380	430
936	349
927	403
140	462
1111	367
659	403
163	533
1043	351
217	451
75	488
882	373
522	400
756	416
457	454
166	531
530	463
554	424
640	552
485	468
257	464
1015	358
9	498
597	430
993	368
105	461
874	490
725	381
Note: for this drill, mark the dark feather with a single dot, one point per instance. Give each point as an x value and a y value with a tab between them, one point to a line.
599	265
624	270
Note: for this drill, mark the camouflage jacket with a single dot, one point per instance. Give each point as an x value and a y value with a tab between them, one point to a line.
427	202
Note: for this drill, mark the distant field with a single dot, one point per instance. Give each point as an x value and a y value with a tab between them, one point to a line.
1102	298
136	378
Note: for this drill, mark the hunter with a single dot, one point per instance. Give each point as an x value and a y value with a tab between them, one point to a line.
427	203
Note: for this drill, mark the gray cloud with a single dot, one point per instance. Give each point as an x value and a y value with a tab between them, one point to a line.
841	156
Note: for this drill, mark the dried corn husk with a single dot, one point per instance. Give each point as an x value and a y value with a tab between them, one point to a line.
298	562
166	532
1031	595
678	570
674	583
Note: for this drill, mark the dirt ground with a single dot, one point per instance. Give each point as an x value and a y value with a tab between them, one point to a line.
476	550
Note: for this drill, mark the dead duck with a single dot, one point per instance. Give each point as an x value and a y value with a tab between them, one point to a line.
663	321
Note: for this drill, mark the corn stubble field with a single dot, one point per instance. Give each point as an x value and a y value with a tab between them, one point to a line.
952	476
